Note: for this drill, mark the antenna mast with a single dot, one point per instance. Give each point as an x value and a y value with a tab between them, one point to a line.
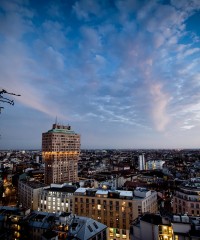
6	100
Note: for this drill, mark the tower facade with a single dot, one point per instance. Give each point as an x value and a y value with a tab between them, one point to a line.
60	152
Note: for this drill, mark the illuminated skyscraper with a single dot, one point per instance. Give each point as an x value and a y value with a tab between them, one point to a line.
61	150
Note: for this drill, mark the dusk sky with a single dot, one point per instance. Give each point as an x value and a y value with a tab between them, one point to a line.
123	74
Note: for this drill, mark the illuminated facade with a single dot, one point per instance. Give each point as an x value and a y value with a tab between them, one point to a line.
57	198
116	209
60	151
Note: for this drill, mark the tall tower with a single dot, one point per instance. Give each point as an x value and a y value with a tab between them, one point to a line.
60	152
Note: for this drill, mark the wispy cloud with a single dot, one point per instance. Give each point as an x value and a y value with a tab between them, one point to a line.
128	62
160	101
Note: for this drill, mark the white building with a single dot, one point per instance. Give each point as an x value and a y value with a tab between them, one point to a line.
142	162
57	198
154	164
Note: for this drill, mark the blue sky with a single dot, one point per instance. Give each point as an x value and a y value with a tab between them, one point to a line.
123	74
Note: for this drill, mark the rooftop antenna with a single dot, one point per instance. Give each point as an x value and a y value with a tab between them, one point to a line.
6	100
56	121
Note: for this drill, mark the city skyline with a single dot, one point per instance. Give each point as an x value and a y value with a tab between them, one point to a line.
124	74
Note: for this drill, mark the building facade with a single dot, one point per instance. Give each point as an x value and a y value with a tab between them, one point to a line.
154	164
57	198
60	152
187	198
116	209
29	192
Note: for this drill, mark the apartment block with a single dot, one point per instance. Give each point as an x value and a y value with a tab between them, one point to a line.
114	208
187	198
57	198
29	193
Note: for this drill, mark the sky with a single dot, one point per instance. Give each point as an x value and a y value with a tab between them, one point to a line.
122	73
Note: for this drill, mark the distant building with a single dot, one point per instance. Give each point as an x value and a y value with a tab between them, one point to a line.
29	192
114	208
57	198
186	198
60	150
142	162
154	164
38	175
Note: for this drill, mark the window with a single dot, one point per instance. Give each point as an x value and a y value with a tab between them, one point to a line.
95	225
99	207
111	232
89	227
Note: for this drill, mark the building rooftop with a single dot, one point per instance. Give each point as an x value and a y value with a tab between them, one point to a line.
102	192
114	193
152	218
33	184
57	128
63	131
85	228
49	234
126	193
67	189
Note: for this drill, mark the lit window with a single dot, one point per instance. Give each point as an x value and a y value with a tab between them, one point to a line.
111	232
99	207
